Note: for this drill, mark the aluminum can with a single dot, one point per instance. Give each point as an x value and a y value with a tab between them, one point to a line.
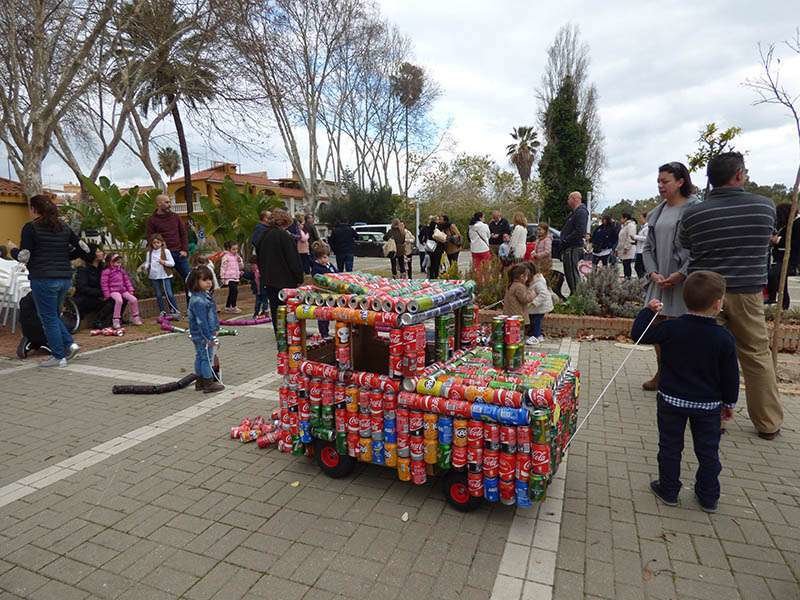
396	366
352	444
540	426
537	487
475	433
522	493
491	463
403	445
507	465
376	425
540	459
444	458
390	454
351	393
512	334
491	436
498	356
508	492
341	443
431	451
475	459
475	484
403	468
365	449
416	422
429	426
402	420
524	439
305	432
498	329
416	446
378	456
523	467
491	489
459	457
444	426
460	432
418	473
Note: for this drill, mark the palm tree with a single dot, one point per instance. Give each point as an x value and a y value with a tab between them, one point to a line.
179	63
522	153
407	85
169	161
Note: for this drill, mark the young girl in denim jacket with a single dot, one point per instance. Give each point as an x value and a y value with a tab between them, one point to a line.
203	327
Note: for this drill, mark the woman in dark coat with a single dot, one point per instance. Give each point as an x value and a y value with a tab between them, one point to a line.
88	294
778	243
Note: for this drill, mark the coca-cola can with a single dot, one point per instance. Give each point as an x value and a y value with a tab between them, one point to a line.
523	439
304	407
459	457
507	465
402	421
409	336
364	424
363	399
375	401
523	469
283	363
353	422
418	474
508	492
491	462
475	458
389	401
475	433
491	436
475	484
508	439
403	445
416	446
396	367
352	444
540	459
376	426
416	422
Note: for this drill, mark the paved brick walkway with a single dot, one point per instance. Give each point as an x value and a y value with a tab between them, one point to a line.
144	497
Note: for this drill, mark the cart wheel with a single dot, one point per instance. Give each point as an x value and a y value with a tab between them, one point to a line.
457	493
332	463
23	347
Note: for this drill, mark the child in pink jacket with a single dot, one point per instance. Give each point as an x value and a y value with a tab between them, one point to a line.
116	284
230	271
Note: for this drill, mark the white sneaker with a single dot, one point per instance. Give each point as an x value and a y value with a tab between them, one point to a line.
73	350
541	338
54	362
532	341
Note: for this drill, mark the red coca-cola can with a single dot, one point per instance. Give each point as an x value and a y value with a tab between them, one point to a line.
418	474
402	421
364	423
475	433
315	390
523	470
375	401
304	409
328	392
491	436
416	422
475	484
235	432
353	422
403	445
396	368
458	457
409	335
474	458
491	462
376	423
389	400
508	439
456	392
283	363
507	465
416	446
352	443
363	399
421	359
507	491
524	439
540	459
457	408
410	363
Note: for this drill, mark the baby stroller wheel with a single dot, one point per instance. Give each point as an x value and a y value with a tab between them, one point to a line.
70	315
23	348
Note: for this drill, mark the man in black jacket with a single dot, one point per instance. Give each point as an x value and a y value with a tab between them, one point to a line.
278	261
498	227
343	245
572	236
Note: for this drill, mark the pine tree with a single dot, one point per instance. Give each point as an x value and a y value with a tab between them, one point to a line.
562	168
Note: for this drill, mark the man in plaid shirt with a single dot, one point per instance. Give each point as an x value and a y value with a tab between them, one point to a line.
699	383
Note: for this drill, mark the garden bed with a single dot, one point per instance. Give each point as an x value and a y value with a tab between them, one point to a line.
578	326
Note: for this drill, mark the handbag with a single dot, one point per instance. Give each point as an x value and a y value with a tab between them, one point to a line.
389	248
439	236
430	246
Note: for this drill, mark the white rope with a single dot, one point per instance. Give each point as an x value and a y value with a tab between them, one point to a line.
610	381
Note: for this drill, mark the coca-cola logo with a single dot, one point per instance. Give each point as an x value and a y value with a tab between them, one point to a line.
540	456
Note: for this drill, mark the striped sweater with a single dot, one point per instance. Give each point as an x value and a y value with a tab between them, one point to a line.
729	234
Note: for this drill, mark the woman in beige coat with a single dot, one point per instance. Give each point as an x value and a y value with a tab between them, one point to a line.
626	246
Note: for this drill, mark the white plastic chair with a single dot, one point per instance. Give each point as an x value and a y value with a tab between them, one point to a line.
14	285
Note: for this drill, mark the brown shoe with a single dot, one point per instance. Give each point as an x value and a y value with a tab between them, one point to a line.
769	436
212	386
651	385
199	384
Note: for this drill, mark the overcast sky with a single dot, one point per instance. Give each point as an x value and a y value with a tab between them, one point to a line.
662	70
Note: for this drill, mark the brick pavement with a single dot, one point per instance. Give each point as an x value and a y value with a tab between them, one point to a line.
617	541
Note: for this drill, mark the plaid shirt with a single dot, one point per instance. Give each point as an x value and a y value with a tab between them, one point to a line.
681	403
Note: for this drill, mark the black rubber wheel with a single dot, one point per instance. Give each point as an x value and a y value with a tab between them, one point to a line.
23	348
332	463
456	492
70	315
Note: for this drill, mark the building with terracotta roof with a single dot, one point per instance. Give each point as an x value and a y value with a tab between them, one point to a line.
208	182
13	210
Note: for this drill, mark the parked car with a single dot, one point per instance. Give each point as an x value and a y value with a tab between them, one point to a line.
555	233
372	228
369	243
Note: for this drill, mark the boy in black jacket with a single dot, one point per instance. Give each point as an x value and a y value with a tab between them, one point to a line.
699	383
322	265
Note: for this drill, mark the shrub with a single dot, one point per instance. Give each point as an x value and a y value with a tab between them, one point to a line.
604	294
491	282
791	316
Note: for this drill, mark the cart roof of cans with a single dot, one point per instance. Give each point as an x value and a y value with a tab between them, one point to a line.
492	419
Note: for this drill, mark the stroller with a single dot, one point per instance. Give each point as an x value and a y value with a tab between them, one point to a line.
33	337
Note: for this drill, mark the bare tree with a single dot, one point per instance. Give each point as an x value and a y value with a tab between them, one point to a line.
47	64
568	56
771	90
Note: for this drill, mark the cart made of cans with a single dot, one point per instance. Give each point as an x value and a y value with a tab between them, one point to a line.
404	384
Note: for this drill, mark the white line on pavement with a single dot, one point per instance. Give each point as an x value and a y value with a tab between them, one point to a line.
145	378
528	566
74	464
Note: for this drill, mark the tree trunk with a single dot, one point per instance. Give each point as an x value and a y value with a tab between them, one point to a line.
776	330
187	169
31	176
405	190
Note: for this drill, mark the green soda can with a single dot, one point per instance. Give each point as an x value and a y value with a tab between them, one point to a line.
341	443
540	426
498	329
537	487
444	456
324	434
468	315
327	414
297	446
497	356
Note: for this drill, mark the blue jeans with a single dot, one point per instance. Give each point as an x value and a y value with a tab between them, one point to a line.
203	359
181	264
344	262
163	288
536	325
48	295
705	426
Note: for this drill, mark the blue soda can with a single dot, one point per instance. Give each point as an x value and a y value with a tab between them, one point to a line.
491	489
389	437
487	411
389	426
378	456
512	416
523	499
305	432
445	427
